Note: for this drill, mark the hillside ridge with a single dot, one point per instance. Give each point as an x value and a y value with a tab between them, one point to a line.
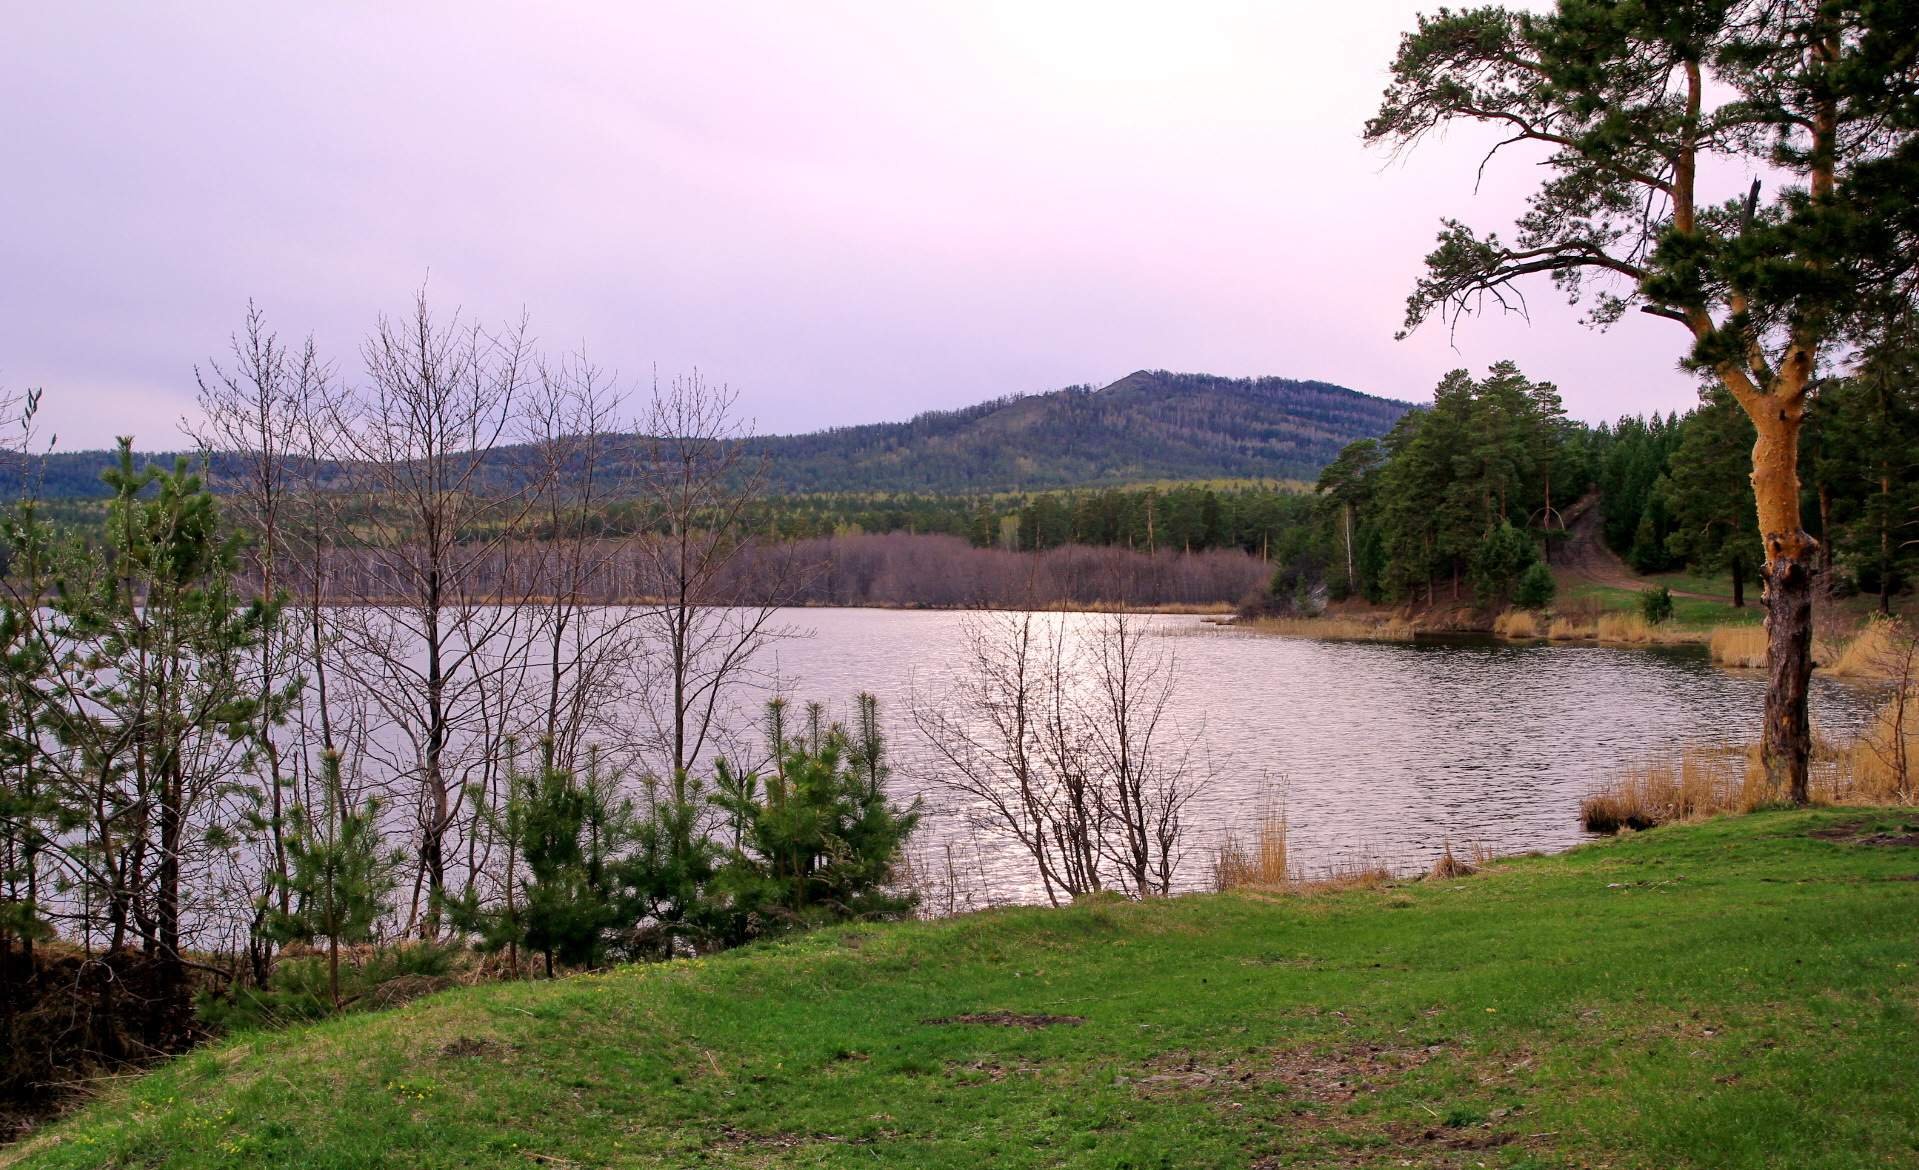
1151	425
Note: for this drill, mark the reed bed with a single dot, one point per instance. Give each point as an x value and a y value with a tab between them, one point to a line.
1568	629
1738	646
1518	624
1394	629
1883	764
1874	652
1863	656
1452	865
1261	862
1631	629
1695	781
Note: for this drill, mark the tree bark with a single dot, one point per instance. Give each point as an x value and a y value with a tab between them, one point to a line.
1787	750
1786	577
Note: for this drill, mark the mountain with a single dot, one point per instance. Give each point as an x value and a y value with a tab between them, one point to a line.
1149	425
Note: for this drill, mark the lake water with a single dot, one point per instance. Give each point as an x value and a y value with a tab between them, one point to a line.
1380	751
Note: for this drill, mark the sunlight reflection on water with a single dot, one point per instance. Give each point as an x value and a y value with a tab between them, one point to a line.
1380	751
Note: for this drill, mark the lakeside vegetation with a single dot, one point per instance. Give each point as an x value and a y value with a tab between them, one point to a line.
1736	993
342	709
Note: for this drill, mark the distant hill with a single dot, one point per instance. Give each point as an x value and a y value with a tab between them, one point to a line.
1149	425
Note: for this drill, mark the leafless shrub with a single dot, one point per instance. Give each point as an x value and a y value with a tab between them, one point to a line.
1054	737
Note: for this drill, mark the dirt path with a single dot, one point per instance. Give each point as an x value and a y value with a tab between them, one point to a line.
1584	558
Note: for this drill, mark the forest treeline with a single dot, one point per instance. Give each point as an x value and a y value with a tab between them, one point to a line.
1148	426
1458	501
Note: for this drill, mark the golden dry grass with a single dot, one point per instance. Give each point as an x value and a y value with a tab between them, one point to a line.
1632	629
1879	767
1517	624
1353	875
1863	656
1882	766
1695	782
1739	646
1451	865
1261	862
1393	629
1566	629
1871	653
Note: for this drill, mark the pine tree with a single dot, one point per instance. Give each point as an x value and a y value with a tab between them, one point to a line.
339	877
1639	110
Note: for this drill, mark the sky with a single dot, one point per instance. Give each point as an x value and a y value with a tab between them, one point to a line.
847	212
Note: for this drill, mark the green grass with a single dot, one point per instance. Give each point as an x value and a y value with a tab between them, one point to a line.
1690	612
1737	993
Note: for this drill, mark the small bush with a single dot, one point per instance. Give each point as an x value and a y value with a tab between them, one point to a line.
1536	588
1655	605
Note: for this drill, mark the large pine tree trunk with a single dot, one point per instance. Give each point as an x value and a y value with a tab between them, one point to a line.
1787	582
1788	741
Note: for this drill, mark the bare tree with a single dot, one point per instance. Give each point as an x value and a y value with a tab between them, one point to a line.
1056	737
1148	781
434	626
705	629
255	411
1013	761
590	461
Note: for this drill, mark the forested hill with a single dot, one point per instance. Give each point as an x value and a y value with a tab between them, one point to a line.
1149	425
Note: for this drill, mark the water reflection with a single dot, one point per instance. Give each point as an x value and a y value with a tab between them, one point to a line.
1379	750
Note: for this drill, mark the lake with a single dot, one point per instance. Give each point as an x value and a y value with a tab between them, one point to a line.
1379	751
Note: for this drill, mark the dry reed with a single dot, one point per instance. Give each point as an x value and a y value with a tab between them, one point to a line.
1451	865
1265	863
1351	875
1517	624
1879	767
1698	782
1261	863
1873	652
1337	628
1738	646
1883	764
1566	629
1744	648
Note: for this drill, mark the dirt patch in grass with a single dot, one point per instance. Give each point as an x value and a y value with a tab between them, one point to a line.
472	1047
1903	836
1321	1087
1333	1076
1029	1021
407	988
732	1137
980	1072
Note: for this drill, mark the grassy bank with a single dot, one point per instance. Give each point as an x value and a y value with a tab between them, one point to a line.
1735	993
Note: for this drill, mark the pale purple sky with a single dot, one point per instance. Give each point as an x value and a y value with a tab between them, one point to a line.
848	211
